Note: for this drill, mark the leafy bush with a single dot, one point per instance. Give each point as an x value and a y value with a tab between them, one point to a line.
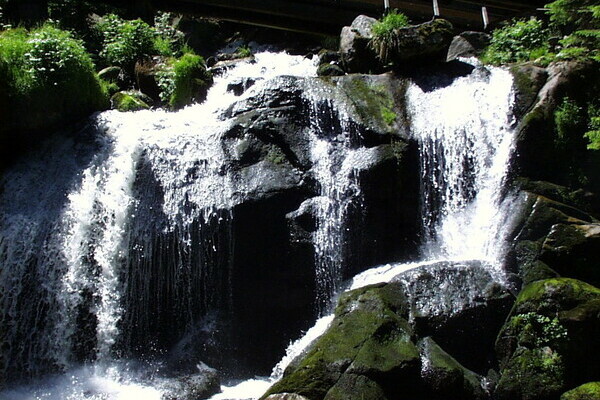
579	22
244	51
518	41
384	33
48	76
124	42
568	119
593	135
168	40
182	79
390	22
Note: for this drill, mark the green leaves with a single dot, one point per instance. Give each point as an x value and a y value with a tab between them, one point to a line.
518	41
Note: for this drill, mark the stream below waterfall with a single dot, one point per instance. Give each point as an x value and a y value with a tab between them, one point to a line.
84	219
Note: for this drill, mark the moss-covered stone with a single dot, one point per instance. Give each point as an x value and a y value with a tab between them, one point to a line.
366	338
445	377
588	391
377	101
547	297
356	387
128	101
328	69
549	343
532	374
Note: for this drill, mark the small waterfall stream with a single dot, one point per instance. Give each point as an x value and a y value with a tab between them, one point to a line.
136	224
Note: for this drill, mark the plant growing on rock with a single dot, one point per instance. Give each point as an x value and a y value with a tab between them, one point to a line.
518	41
183	80
578	21
124	42
385	33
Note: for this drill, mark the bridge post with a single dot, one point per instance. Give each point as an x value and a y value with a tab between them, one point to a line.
436	9
386	6
484	15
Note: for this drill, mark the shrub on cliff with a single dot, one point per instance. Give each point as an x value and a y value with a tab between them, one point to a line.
385	35
184	80
49	77
518	41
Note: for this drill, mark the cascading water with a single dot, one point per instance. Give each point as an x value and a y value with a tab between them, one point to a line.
131	233
129	236
465	137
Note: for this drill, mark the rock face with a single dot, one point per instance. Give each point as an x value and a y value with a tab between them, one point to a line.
384	340
548	344
416	44
356	54
269	155
468	44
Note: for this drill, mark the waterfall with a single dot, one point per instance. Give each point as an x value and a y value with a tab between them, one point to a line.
126	249
116	240
466	139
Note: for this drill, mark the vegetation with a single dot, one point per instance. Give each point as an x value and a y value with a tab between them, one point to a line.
518	41
181	80
41	65
385	33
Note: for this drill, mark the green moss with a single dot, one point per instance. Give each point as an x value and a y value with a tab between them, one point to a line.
532	374
374	103
588	391
125	101
551	295
367	337
49	77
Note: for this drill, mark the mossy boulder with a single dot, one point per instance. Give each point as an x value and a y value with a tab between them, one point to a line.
572	251
129	101
468	44
549	343
416	44
330	70
445	377
367	343
588	391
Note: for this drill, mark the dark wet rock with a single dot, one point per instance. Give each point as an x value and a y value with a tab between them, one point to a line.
542	154
201	385
357	55
572	251
330	69
146	78
416	44
221	66
447	378
240	86
528	81
329	56
548	343
468	44
448	301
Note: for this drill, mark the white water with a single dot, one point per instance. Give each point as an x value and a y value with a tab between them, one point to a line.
461	222
465	142
81	252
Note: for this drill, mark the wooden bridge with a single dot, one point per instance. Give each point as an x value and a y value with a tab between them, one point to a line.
328	16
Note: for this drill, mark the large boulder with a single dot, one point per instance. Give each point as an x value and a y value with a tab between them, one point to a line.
371	348
355	51
367	349
201	385
468	44
416	44
548	345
